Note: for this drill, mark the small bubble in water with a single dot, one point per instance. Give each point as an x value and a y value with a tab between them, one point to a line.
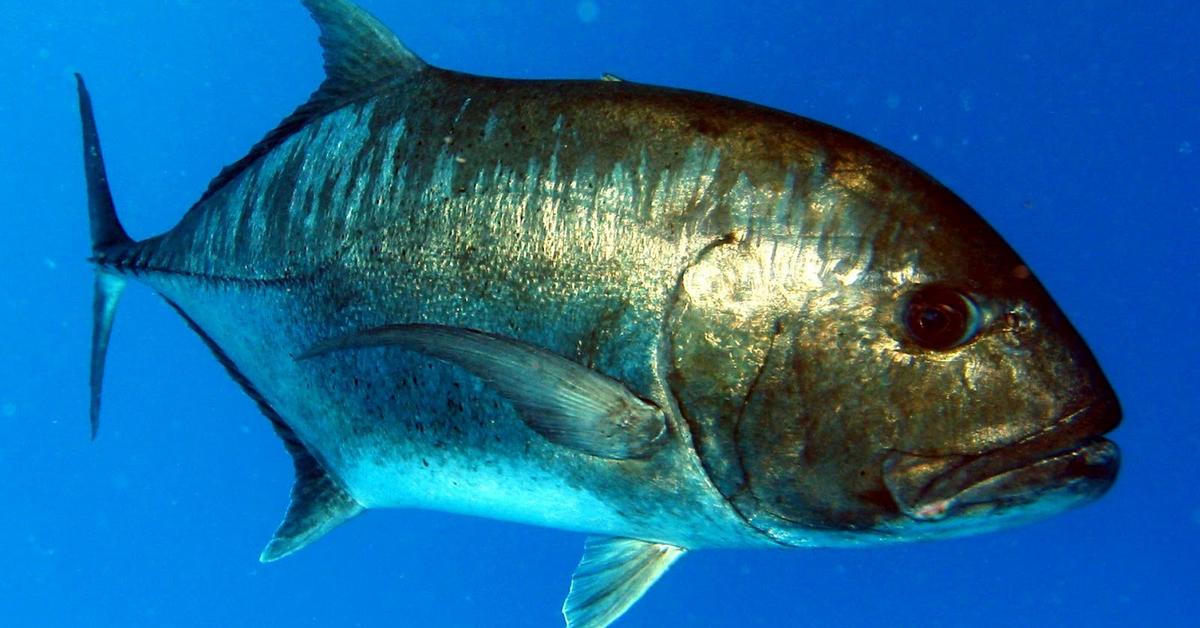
1185	148
966	99
892	101
9	409
587	11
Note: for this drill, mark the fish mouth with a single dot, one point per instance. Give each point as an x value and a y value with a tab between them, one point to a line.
1064	466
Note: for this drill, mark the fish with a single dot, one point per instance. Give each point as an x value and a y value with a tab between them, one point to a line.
670	320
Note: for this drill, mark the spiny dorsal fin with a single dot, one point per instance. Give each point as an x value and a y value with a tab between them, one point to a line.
318	505
360	54
612	575
567	403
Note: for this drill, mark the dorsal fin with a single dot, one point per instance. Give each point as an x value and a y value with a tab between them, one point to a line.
359	50
360	54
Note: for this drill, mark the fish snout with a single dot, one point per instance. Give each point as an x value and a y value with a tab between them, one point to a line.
1068	464
1102	415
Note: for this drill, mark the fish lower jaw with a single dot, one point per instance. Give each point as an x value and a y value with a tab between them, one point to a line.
1043	487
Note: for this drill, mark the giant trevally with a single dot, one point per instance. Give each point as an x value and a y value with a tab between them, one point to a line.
671	320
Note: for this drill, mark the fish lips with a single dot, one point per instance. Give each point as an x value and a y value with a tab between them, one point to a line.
1048	473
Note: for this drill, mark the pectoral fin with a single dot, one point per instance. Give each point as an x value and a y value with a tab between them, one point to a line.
566	403
611	576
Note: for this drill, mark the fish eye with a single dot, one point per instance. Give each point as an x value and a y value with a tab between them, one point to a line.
940	318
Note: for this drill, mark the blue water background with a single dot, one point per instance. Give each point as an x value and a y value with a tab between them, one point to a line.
1073	127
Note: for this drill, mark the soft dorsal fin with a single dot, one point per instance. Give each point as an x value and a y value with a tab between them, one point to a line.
359	50
612	575
360	54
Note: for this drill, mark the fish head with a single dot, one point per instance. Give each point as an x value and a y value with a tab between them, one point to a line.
894	373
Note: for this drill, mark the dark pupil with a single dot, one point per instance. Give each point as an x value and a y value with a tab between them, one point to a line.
937	318
933	320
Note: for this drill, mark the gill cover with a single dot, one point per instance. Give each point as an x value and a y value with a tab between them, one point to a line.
741	313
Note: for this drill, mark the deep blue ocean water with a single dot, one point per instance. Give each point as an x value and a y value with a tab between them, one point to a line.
1073	127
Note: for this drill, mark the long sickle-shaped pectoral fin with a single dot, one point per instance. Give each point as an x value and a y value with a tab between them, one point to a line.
566	403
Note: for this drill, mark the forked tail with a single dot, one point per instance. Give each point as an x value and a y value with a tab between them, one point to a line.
107	233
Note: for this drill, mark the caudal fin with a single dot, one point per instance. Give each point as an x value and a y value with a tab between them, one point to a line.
107	233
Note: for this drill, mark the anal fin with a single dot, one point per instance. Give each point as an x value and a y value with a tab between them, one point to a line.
318	506
612	575
318	503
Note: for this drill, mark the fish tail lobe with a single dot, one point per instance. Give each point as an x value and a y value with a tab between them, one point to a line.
107	231
107	235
